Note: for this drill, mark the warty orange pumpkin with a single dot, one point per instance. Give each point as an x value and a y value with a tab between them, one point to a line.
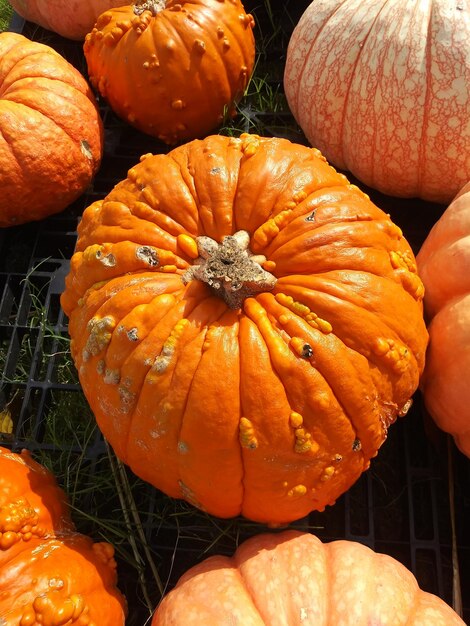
70	18
51	134
381	88
444	266
293	579
49	574
246	325
173	69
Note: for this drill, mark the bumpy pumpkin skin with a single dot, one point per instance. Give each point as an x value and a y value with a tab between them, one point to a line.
382	90
49	574
51	134
293	578
72	19
444	262
271	408
23	480
174	71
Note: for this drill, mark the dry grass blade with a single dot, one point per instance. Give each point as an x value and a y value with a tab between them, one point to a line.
129	511
456	584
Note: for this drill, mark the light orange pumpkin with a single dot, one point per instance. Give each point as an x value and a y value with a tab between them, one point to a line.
293	578
246	325
51	134
381	88
49	574
444	266
172	69
72	19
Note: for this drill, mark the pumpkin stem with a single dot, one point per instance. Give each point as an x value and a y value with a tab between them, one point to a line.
230	269
154	6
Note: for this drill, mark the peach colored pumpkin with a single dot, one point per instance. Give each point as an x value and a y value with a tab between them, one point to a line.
381	88
444	265
72	19
293	578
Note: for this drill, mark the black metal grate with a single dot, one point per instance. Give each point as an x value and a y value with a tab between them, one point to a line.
400	506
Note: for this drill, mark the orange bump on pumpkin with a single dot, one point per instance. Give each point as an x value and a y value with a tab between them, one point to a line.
293	578
444	266
268	357
51	134
381	88
50	574
171	75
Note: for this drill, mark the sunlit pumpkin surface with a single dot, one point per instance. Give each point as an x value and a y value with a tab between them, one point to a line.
294	579
381	88
172	68
444	264
51	134
70	18
49	574
246	325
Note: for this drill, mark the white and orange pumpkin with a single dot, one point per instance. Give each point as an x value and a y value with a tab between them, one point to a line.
381	88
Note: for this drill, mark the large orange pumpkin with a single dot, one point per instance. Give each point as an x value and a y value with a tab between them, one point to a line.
172	69
51	134
444	265
293	578
381	88
49	574
70	18
246	325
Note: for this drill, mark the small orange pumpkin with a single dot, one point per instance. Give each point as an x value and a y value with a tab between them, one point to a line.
49	574
173	68
51	134
246	325
444	266
293	578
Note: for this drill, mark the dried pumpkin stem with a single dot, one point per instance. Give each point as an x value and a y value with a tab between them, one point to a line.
230	269
154	6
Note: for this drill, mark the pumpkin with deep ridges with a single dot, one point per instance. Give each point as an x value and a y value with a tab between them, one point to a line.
246	325
51	133
381	88
293	578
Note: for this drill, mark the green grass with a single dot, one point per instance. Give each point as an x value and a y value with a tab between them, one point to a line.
5	14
